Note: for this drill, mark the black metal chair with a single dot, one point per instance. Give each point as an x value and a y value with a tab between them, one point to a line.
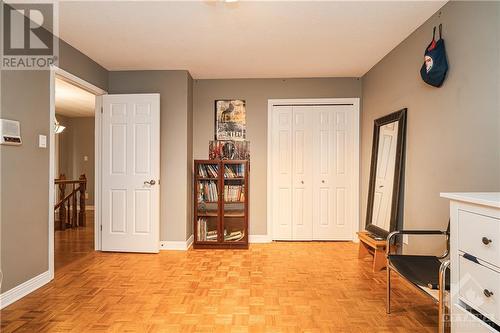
426	273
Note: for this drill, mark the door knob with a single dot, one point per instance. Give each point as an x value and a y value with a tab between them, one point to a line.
323	181
151	182
302	182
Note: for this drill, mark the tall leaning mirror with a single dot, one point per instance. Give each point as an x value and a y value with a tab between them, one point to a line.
384	195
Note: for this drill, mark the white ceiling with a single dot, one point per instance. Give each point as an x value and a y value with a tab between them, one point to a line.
72	101
246	39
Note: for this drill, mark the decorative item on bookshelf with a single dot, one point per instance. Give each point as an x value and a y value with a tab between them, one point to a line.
229	150
221	205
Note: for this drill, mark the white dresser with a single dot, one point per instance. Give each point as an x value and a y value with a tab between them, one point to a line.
475	261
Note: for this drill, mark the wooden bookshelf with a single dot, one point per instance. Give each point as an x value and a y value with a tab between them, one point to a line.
221	204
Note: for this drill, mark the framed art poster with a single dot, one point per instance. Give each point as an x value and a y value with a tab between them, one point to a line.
230	119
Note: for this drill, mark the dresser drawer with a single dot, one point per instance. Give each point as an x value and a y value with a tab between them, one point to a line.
479	236
476	281
465	322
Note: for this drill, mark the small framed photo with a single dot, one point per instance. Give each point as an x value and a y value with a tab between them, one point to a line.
230	119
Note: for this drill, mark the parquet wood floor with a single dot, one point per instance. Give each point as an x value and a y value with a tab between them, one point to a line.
277	287
74	243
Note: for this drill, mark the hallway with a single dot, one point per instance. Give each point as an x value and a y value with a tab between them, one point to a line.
74	243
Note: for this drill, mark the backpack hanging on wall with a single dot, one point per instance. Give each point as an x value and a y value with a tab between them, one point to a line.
435	65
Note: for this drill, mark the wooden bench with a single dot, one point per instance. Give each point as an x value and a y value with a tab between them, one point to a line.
370	246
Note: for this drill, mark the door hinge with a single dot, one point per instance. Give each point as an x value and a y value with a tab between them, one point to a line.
101	110
101	227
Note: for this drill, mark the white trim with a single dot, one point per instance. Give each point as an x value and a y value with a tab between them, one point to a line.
256	239
183	246
177	245
316	101
52	157
75	80
357	171
67	76
18	292
97	174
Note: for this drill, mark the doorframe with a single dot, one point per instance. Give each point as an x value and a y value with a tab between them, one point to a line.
75	80
355	102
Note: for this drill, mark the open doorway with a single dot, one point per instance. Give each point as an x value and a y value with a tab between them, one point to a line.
73	169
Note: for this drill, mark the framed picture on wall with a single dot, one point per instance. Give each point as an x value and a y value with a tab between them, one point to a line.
230	119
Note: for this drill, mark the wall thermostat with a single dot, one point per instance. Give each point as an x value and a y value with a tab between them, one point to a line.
10	132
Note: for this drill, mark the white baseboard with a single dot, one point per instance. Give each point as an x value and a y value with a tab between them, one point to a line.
16	293
183	246
177	245
259	239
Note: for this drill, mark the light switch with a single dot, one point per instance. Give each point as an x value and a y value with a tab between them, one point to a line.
42	141
85	158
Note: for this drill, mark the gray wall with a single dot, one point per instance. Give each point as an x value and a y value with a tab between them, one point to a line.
75	142
256	92
174	88
25	169
82	66
25	178
453	140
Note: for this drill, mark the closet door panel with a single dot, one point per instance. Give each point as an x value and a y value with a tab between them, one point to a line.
342	172
282	172
323	163
302	173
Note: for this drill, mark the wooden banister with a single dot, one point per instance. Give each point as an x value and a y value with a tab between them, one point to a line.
66	182
83	187
62	200
67	204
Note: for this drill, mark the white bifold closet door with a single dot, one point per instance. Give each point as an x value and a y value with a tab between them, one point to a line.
312	168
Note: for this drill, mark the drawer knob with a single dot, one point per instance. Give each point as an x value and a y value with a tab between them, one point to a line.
486	240
487	293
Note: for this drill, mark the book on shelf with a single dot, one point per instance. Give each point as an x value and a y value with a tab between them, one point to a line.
203	233
208	170
208	208
207	191
234	171
234	236
234	193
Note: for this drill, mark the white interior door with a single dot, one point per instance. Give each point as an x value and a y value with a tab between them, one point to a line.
384	180
333	172
282	172
323	173
130	172
302	173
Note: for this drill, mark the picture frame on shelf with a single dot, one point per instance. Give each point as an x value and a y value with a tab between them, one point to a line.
229	150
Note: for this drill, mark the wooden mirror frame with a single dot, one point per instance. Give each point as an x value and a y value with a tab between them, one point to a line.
400	117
